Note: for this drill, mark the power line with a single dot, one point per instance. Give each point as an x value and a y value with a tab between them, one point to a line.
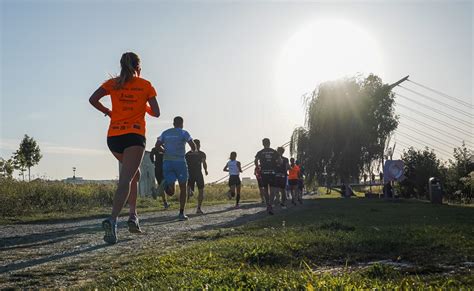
439	102
438	130
432	137
437	120
435	110
410	137
443	94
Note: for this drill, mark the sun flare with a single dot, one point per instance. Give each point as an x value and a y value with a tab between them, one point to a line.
321	51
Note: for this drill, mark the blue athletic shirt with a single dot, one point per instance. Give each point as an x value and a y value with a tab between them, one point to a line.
174	140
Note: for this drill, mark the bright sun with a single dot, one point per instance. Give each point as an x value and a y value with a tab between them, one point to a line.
324	50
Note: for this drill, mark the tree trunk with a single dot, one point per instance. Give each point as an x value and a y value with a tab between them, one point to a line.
29	176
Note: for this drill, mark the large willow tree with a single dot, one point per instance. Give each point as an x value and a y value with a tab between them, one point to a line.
348	122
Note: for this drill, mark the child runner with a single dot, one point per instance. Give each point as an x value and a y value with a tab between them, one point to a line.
156	157
267	159
234	169
196	161
130	95
281	176
174	164
293	177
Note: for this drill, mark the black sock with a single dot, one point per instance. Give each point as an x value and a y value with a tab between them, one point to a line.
181	211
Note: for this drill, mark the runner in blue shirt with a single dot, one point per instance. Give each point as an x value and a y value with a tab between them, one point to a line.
174	163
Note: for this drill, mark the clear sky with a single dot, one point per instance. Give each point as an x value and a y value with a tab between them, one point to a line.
234	70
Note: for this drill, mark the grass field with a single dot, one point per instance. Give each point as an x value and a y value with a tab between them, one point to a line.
334	243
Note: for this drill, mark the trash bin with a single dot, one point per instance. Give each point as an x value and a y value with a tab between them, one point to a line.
435	191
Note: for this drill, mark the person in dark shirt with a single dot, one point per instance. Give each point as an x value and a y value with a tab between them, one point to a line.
281	176
196	161
268	159
156	157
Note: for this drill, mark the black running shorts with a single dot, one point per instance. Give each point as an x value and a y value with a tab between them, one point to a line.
268	180
293	182
234	180
196	179
119	143
280	181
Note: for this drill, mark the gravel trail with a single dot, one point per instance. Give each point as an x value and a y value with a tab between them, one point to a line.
62	254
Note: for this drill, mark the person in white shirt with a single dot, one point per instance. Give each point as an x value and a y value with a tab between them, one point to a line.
234	168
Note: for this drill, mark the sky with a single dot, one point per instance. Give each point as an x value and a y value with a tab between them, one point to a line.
235	70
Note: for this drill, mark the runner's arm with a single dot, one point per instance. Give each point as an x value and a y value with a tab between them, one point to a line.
226	168
204	165
159	142
152	155
94	100
192	145
153	109
240	168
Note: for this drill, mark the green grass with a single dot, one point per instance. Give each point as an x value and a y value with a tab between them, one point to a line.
327	244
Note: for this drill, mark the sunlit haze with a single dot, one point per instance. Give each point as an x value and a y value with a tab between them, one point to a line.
235	71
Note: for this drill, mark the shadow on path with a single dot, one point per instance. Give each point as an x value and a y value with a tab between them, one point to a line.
39	261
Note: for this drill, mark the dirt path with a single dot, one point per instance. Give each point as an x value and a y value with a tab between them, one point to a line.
61	254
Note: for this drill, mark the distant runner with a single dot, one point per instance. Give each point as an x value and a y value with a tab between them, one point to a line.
267	159
293	178
156	157
196	160
174	164
130	97
234	168
281	176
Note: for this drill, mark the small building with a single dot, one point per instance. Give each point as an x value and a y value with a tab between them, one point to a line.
247	181
147	178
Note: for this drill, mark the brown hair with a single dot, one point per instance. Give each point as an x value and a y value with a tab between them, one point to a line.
129	64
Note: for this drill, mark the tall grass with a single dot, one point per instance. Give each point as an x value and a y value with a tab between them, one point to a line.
19	199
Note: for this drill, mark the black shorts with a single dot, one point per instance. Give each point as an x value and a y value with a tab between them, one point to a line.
195	178
268	180
234	180
119	143
280	181
260	183
293	182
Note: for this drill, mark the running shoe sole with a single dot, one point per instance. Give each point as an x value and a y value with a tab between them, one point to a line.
133	227
109	236
182	218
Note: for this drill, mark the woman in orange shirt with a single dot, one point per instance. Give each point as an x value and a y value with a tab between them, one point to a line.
130	97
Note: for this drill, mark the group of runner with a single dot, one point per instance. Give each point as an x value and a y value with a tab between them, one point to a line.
278	177
132	97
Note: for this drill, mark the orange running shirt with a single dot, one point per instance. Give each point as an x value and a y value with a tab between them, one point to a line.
128	106
294	173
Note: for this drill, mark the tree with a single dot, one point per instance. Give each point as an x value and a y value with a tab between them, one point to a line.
27	156
420	165
458	174
6	168
347	124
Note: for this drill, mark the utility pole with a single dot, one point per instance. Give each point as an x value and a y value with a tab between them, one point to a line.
74	173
